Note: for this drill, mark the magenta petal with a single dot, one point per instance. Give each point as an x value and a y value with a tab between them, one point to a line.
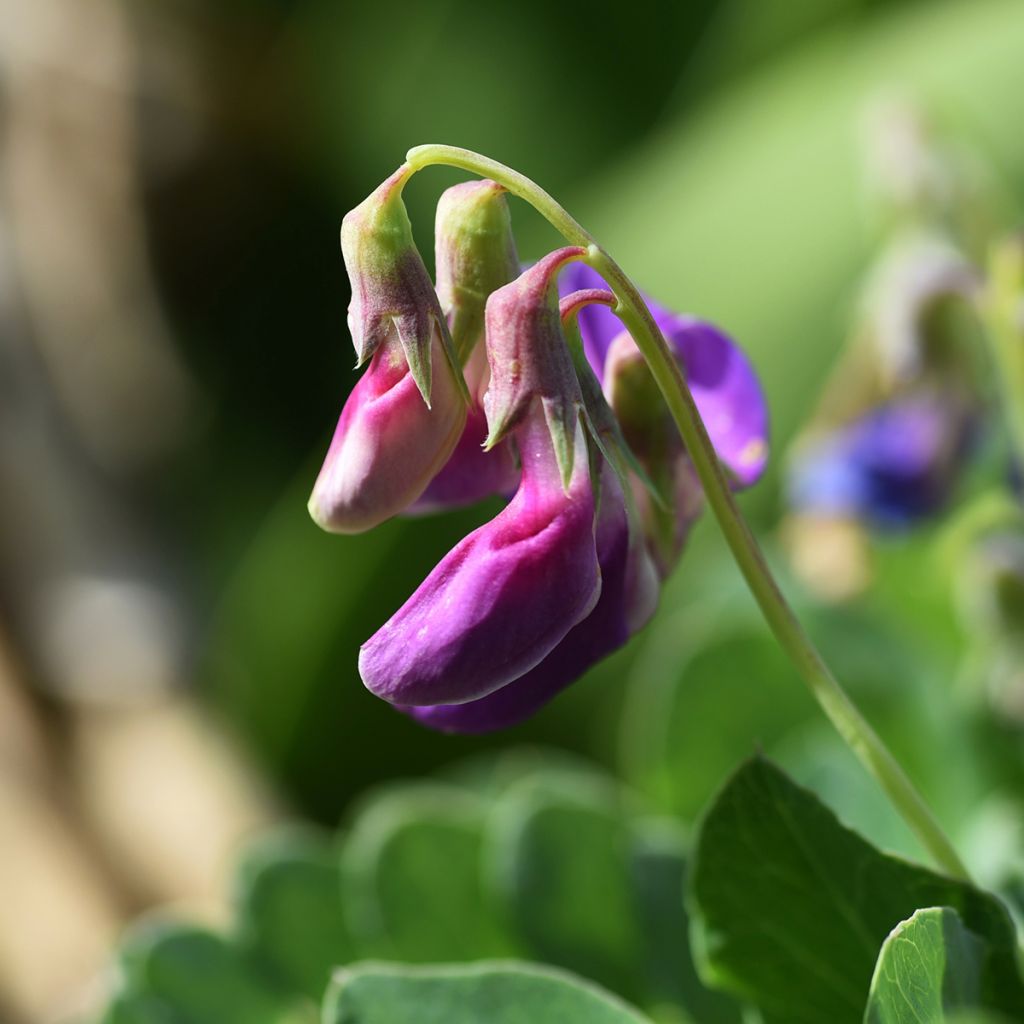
628	597
503	598
727	392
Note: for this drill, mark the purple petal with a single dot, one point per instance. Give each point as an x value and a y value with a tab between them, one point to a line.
727	392
628	597
503	598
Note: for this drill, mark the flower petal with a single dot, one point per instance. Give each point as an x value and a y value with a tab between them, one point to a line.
503	598
388	444
727	392
629	593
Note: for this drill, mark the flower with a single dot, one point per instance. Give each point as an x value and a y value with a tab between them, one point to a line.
570	568
629	595
724	386
402	420
892	467
505	596
467	653
899	416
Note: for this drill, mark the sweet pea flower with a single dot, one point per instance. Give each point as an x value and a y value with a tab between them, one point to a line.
571	566
629	594
724	387
508	593
402	420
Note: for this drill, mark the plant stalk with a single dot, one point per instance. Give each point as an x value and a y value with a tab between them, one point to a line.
633	311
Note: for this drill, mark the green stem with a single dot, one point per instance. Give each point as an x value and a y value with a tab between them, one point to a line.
633	312
1003	315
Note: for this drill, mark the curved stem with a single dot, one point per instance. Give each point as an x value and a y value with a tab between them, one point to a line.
636	317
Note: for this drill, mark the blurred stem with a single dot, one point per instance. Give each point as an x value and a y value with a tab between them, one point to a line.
1003	315
633	312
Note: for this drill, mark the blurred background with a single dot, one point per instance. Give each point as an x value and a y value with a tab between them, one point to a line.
178	641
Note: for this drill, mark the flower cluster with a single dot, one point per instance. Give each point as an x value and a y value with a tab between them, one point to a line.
518	383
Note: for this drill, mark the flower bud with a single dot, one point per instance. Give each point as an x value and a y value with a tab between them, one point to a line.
501	600
530	360
391	289
475	255
388	444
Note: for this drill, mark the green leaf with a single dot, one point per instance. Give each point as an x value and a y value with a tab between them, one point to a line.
792	907
561	853
932	964
483	993
412	877
183	974
289	909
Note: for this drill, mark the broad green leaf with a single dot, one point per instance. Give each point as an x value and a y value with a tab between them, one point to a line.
289	909
792	907
932	965
181	973
483	993
412	877
658	872
560	860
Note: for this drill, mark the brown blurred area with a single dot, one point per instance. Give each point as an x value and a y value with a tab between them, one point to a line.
116	791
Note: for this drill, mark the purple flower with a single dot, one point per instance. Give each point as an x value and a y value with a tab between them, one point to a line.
721	378
569	569
503	598
629	595
725	389
894	466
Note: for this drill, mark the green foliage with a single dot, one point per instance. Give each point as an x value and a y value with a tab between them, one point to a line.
179	974
485	993
791	911
792	907
290	912
932	965
412	876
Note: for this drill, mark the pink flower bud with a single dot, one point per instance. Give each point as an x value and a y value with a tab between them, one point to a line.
391	289
388	444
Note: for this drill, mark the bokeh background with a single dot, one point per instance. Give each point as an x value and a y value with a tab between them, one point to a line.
177	639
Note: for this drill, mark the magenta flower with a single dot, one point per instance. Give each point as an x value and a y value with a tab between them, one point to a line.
505	596
402	420
571	566
629	595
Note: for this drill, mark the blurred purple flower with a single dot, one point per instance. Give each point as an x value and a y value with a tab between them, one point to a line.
893	467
